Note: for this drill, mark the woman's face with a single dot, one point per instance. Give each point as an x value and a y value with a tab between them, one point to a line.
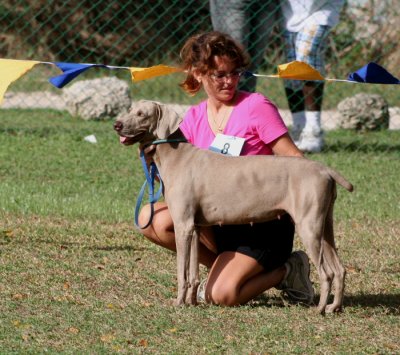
221	83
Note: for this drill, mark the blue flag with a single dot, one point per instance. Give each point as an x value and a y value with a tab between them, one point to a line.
373	73
70	72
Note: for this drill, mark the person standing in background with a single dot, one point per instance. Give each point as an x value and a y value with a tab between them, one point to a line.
307	24
250	22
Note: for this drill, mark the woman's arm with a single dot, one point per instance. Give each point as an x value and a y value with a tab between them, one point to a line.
284	146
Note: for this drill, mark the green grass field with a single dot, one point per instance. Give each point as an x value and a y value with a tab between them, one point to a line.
77	278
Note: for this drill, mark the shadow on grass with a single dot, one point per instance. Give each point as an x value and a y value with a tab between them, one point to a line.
362	142
391	302
80	245
362	147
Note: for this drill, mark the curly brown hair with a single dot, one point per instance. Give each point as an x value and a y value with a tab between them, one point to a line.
199	51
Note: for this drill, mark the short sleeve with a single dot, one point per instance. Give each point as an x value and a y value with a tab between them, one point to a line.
186	125
266	119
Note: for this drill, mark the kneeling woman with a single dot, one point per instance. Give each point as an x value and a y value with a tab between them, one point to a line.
243	261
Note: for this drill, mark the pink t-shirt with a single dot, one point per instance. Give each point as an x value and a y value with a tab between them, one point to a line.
254	118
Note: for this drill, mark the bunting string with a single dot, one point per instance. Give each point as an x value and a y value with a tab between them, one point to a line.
13	69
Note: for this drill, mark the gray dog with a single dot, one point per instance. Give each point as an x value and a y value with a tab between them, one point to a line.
204	188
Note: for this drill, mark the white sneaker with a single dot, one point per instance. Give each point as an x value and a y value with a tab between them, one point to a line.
201	292
311	141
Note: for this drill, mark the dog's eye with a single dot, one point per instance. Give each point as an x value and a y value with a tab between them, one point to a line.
140	113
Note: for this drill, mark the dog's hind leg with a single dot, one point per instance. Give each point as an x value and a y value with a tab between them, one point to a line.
311	233
331	259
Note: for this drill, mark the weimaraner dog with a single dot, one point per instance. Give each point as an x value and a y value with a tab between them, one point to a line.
204	188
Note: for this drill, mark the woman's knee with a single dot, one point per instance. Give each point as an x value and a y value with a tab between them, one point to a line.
161	228
159	218
145	217
223	294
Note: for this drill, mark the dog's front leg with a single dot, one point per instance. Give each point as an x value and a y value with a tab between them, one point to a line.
183	237
191	296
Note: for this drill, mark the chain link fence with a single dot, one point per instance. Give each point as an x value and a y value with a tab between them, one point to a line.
145	33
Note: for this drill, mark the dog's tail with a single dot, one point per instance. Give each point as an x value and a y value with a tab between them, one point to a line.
341	180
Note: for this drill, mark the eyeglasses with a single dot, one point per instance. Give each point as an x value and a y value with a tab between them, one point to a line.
220	77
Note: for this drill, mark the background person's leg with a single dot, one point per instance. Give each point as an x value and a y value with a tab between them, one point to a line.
311	139
307	46
294	90
250	22
262	17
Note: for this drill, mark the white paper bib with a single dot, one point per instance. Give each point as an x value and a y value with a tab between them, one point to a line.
228	145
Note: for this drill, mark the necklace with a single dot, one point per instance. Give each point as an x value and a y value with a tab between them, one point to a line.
219	126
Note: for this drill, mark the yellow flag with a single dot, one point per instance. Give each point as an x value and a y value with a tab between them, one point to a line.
298	70
151	72
11	70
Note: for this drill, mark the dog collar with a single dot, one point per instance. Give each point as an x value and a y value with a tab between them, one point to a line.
174	140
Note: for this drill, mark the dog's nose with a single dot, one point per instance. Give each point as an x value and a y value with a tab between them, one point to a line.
118	125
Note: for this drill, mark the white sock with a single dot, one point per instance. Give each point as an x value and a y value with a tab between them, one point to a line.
299	119
313	120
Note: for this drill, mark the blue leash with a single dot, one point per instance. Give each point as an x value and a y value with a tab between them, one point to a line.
150	175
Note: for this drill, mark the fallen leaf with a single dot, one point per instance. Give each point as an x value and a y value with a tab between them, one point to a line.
69	298
352	269
19	296
7	233
173	330
391	346
107	338
73	330
143	342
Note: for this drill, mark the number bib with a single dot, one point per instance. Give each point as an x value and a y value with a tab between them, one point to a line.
228	145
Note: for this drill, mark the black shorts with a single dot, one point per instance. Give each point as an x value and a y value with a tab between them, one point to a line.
270	243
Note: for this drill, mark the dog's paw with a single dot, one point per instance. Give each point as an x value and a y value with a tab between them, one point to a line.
333	308
179	303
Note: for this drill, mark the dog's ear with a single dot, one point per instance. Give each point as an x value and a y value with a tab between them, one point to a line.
168	121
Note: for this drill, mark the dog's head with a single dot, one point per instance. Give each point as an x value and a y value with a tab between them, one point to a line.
145	122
